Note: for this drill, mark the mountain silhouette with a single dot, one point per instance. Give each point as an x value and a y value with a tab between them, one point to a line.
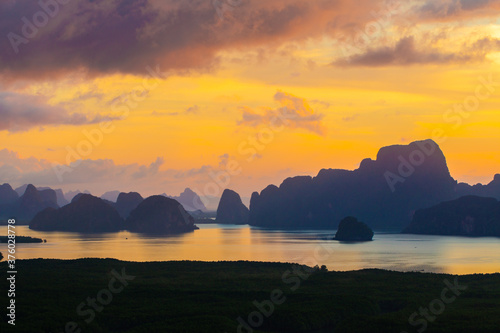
84	214
158	214
127	202
111	196
352	230
34	201
231	209
385	193
71	194
7	195
189	200
490	190
466	216
61	199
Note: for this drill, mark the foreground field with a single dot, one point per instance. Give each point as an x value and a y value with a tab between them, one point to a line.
105	295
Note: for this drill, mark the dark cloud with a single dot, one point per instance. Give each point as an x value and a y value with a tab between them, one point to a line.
405	52
20	112
452	9
100	37
125	36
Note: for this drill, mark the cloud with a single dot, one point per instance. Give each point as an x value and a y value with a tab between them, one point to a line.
84	96
322	104
21	112
350	118
439	10
124	36
190	110
99	175
183	174
405	52
12	166
149	171
161	114
294	112
223	159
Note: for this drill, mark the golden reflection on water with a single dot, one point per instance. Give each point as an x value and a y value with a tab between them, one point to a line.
454	255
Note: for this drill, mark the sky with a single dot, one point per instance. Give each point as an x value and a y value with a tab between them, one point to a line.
158	95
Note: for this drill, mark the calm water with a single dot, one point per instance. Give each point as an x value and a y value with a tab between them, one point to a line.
456	255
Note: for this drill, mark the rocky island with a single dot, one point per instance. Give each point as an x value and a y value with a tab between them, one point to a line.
231	209
352	230
375	192
159	214
85	213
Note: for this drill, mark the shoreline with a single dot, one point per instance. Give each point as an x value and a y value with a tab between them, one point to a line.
76	260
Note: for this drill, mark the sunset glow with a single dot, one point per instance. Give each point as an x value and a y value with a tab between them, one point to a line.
371	74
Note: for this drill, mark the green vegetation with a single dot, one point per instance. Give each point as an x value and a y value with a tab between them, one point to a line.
184	297
23	239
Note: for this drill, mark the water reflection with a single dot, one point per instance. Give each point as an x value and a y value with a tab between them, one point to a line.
457	255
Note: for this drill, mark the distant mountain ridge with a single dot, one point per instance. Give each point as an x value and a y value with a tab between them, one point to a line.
490	190
26	201
384	192
190	200
26	206
85	213
467	216
7	195
89	214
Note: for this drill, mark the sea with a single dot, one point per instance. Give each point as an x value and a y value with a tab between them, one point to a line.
214	242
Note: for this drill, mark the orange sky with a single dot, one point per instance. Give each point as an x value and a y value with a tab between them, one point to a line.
227	74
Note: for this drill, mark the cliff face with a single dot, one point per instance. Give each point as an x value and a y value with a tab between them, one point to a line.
466	216
158	214
84	214
231	209
385	191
